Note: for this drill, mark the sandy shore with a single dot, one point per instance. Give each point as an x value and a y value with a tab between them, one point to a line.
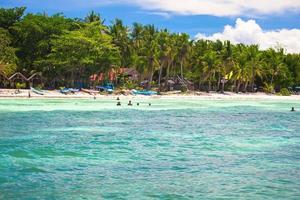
55	94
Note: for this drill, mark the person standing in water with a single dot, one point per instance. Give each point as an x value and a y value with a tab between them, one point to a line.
293	109
29	95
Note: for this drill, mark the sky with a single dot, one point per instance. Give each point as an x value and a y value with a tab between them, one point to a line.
269	23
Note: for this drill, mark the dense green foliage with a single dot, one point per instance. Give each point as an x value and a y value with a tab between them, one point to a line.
8	58
285	92
68	50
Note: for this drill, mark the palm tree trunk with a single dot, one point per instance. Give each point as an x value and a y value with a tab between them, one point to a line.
219	83
168	71
150	80
150	75
252	80
238	86
245	87
159	77
223	86
181	69
272	79
234	88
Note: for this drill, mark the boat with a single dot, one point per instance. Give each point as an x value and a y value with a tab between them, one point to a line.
65	91
68	90
143	92
108	87
91	92
40	92
73	90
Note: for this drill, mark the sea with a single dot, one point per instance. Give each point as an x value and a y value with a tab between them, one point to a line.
159	149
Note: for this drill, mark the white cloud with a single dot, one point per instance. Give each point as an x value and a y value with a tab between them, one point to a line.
249	32
182	7
217	7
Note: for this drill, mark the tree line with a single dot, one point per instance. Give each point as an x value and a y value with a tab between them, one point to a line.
69	50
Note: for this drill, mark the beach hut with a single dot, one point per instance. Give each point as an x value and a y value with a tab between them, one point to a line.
131	73
169	85
35	79
18	78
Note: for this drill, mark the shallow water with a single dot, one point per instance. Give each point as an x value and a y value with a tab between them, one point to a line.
174	149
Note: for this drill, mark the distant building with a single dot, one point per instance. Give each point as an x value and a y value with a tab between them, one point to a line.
132	73
113	74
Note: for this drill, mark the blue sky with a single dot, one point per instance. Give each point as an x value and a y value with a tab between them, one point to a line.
203	18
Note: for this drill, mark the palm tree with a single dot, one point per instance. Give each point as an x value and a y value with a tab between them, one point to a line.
183	44
94	17
137	48
242	71
145	50
165	46
211	62
275	64
255	62
120	34
227	63
151	51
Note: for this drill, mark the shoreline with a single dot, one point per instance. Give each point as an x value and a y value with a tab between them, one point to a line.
54	94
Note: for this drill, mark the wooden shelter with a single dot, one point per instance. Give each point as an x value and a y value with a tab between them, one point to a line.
131	73
35	79
18	78
177	83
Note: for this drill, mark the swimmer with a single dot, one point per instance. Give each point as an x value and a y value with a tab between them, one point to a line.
293	109
129	103
119	103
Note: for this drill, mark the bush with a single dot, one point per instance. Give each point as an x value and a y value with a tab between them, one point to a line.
130	85
268	88
39	87
20	85
285	92
184	89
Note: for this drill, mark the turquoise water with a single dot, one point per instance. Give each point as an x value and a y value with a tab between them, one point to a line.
179	149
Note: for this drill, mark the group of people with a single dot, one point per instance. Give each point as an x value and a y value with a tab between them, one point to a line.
129	103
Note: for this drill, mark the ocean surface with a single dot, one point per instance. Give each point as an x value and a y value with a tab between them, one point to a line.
173	149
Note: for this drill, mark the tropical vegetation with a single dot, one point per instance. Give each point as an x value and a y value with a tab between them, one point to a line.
67	51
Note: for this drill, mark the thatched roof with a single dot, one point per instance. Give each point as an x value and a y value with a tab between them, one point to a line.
18	75
133	73
37	75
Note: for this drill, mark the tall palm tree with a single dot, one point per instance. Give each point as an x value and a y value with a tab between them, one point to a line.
227	63
151	51
94	17
120	34
255	62
275	64
183	45
211	62
165	51
242	73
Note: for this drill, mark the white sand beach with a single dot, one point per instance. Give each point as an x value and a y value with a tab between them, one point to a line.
55	94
